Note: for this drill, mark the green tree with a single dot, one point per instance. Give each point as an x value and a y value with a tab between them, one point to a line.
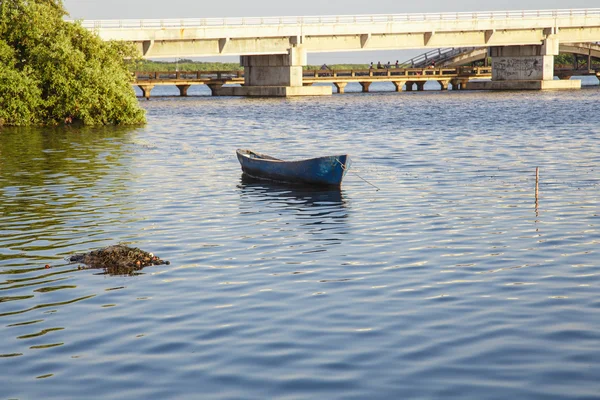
54	72
563	60
20	96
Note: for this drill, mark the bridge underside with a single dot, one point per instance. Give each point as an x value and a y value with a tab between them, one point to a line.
525	68
275	75
182	47
279	71
471	55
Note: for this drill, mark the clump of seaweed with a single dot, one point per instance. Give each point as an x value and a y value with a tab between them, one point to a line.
118	259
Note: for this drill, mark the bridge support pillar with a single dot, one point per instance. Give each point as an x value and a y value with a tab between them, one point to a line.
340	86
444	84
146	89
409	86
459	84
528	67
275	75
365	86
215	88
420	85
398	85
183	89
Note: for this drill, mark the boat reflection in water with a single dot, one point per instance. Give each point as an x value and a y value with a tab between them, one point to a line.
319	212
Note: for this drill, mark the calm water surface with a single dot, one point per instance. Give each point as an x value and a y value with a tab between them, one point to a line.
452	281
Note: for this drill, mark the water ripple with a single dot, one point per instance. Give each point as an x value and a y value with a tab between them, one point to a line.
453	280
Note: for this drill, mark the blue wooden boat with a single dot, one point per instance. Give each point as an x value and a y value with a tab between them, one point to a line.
320	171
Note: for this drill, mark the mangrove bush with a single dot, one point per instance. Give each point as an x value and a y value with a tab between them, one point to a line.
53	71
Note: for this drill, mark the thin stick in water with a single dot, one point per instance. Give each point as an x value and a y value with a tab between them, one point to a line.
537	181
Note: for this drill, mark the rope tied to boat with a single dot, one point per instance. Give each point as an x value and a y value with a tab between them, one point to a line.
346	170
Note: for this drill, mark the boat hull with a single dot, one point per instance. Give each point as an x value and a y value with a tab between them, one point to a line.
321	171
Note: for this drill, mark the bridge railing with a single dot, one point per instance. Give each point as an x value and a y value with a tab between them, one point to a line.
384	72
332	19
434	55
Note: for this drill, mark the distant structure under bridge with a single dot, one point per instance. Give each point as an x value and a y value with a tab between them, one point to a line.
408	79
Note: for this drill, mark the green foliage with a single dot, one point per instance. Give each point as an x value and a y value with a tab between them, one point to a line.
189	65
20	96
54	72
564	60
182	65
339	66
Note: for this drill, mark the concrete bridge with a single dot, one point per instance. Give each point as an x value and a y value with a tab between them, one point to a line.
273	49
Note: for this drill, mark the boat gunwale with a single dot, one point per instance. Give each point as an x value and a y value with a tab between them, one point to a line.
264	157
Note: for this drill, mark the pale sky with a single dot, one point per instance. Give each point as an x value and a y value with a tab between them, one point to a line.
157	9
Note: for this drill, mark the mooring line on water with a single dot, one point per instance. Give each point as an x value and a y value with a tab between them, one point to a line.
378	189
346	169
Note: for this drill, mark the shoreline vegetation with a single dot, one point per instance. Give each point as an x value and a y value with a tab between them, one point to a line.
190	65
141	65
54	72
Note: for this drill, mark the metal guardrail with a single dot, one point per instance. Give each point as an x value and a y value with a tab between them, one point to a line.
436	55
331	19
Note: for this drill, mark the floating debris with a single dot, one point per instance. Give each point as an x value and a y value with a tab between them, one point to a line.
117	259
